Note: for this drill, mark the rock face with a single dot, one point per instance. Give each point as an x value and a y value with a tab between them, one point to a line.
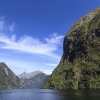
25	75
80	63
33	80
8	80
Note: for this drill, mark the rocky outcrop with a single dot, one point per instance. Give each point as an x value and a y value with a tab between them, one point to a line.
25	75
80	63
34	79
8	80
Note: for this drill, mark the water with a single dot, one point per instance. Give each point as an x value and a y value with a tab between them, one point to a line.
49	94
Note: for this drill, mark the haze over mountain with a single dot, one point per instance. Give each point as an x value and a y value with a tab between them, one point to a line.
34	79
79	66
25	75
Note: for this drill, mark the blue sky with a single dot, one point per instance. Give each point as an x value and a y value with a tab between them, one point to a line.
32	31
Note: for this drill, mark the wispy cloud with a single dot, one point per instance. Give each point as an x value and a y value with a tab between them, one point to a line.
30	44
6	27
55	39
51	64
41	54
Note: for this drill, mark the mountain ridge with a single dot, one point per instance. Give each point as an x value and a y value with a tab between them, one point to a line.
79	66
8	80
34	79
29	75
86	18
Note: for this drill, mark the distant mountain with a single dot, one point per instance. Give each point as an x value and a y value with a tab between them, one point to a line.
80	63
34	79
8	80
25	75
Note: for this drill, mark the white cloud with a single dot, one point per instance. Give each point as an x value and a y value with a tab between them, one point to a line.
5	27
48	72
30	45
27	44
51	64
55	39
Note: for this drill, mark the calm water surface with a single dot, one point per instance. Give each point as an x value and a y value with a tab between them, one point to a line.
49	94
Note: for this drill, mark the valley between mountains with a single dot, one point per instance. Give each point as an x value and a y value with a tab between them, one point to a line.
79	67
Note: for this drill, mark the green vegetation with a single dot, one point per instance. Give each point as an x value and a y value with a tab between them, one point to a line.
8	79
80	64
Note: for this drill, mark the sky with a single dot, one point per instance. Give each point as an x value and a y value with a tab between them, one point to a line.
32	31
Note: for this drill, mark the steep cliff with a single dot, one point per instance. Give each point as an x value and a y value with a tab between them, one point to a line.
80	63
8	79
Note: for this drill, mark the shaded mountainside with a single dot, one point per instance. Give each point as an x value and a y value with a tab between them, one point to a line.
80	63
33	80
8	80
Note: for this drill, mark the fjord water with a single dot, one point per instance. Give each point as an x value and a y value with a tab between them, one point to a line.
49	94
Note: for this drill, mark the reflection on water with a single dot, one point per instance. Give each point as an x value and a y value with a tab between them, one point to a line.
82	94
49	94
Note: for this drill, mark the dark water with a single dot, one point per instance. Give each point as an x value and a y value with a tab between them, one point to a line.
49	94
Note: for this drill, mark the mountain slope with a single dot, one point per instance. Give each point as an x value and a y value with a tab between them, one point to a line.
80	63
34	79
8	79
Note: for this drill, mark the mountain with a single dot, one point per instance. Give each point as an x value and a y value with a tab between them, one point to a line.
80	63
34	79
8	79
25	75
